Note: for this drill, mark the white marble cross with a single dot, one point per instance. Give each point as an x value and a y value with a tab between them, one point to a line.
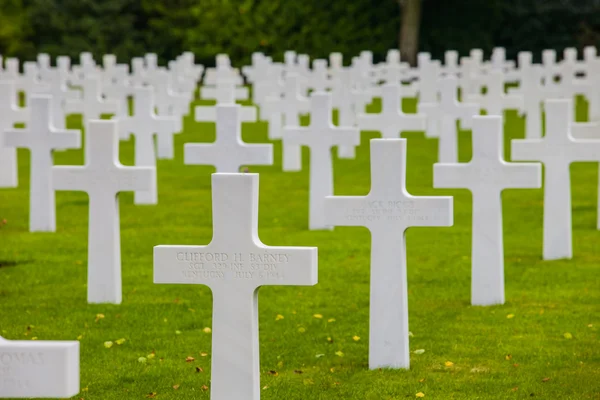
486	176
41	138
103	177
40	369
346	100
228	153
450	111
391	121
387	211
10	113
320	136
294	104
169	102
557	150
272	111
222	91
234	265
319	77
92	105
495	101
226	97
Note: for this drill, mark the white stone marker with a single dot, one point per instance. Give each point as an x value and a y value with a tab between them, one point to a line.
588	130
557	150
41	138
234	265
10	114
144	124
495	101
92	105
486	176
451	111
391	121
294	104
345	99
320	136
272	111
387	211
228	153
226	97
42	369
220	92
103	177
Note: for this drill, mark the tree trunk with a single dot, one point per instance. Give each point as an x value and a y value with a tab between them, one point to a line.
410	17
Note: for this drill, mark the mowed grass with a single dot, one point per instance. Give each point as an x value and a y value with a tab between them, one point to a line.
542	343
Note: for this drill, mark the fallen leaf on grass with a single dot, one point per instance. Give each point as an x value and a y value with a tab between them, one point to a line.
151	355
449	364
108	344
545	379
508	357
318	316
175	387
199	369
178	332
279	317
421	380
514	389
356	338
567	335
207	330
339	353
301	330
99	317
320	355
203	354
330	340
189	359
509	316
142	360
120	341
331	320
420	394
419	351
204	387
274	373
151	395
297	371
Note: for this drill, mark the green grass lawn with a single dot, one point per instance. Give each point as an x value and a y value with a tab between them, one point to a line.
543	343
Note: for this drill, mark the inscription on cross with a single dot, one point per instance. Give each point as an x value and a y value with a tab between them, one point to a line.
234	265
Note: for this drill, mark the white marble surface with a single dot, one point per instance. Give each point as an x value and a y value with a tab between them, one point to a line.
294	104
234	265
103	178
41	138
40	369
320	136
486	176
557	150
10	114
387	211
228	153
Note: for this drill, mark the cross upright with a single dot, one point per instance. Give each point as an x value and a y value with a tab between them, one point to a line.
320	136
294	104
225	96
450	111
169	102
495	101
41	138
103	178
144	124
486	176
92	105
557	150
319	77
344	98
234	265
222	90
228	153
10	114
391	121
272	111
387	211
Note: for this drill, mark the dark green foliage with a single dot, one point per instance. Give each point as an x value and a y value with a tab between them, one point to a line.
130	28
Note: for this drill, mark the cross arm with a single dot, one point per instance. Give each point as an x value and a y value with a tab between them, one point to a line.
370	122
345	211
439	211
135	178
513	102
413	122
66	138
70	178
523	175
526	149
450	176
74	106
295	135
16	138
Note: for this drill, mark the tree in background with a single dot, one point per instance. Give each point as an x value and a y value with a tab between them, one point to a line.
410	16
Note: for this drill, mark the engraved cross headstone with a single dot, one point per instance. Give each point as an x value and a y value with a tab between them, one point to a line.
41	138
10	113
391	121
387	211
320	136
103	177
486	176
41	369
557	150
228	153
234	265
